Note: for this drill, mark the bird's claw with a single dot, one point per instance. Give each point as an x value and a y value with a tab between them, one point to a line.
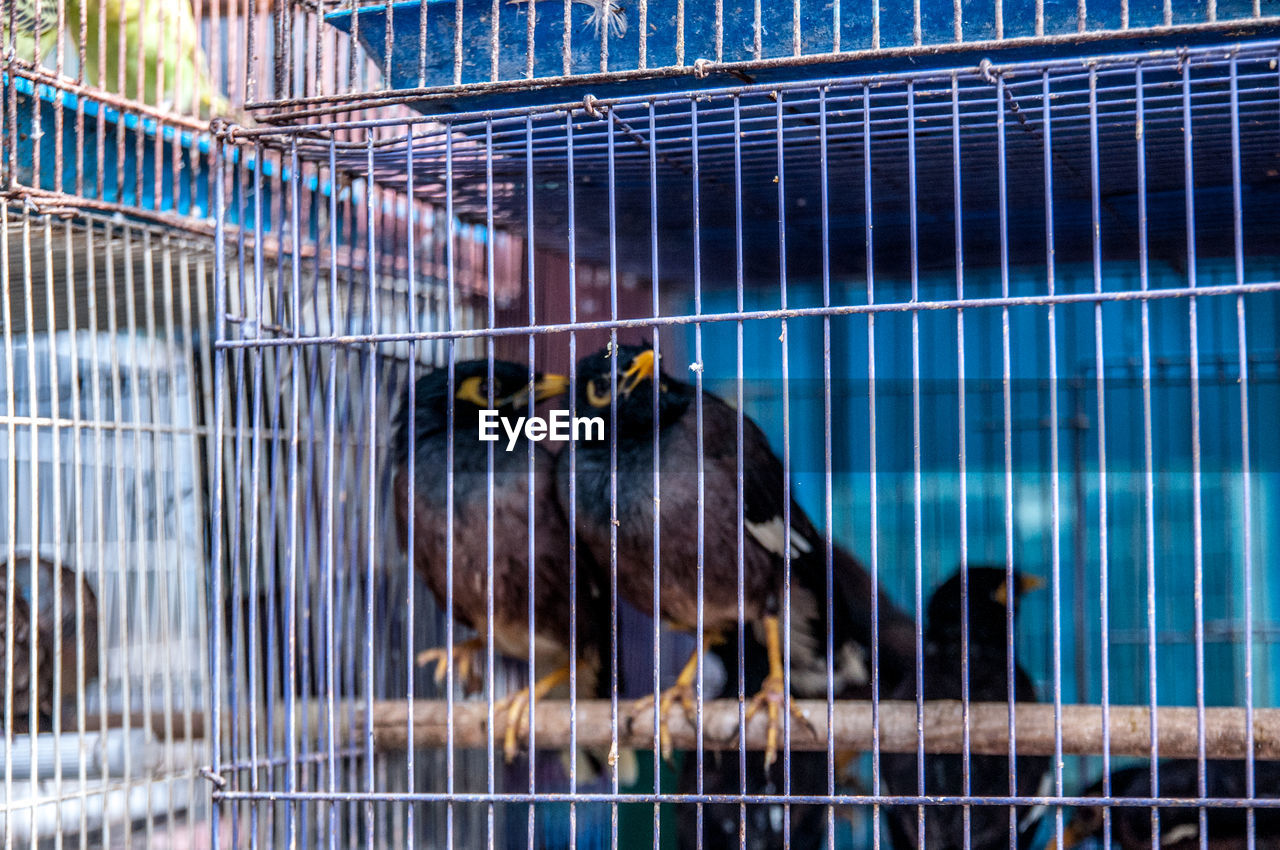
464	658
679	694
516	708
772	696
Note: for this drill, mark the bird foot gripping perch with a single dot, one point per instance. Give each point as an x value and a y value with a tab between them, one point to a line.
681	693
773	695
517	709
465	655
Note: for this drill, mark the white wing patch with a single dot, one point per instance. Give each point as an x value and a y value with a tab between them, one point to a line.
852	664
808	651
1185	832
1032	817
769	534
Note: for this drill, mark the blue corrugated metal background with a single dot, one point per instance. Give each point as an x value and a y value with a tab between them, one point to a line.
1078	459
1080	478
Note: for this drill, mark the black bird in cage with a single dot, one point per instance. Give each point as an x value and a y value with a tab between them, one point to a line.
988	597
57	677
635	372
1227	828
510	390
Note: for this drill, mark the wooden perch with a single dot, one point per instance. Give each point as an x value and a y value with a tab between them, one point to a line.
943	728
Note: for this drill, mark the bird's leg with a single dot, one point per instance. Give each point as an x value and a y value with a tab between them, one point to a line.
517	708
682	693
773	693
467	657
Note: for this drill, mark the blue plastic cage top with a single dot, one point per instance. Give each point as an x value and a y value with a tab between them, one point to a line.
440	43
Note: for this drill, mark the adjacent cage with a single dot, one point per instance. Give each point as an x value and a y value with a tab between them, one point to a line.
107	385
1017	312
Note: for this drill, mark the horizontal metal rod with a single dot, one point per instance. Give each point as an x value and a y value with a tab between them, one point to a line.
1135	295
352	101
156	721
770	799
21	69
1224	730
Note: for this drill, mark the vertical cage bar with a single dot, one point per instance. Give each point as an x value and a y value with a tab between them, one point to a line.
957	196
1007	411
869	248
1246	482
1148	496
917	540
1099	367
1197	496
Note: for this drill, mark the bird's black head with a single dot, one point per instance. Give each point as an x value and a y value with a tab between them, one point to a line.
988	598
509	388
637	369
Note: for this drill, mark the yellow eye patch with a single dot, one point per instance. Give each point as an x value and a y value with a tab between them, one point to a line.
597	399
471	390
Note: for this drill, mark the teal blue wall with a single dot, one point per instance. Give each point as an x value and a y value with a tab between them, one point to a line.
1080	480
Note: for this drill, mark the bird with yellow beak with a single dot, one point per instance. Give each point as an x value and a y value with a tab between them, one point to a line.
451	519
706	534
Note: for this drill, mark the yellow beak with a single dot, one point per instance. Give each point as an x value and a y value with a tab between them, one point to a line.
1072	835
641	367
550	386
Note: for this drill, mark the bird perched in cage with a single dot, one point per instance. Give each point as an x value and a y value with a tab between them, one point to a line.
989	598
642	389
65	631
15	620
1179	826
424	431
163	45
66	635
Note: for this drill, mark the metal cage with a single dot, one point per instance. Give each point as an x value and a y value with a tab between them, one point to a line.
1018	311
995	284
107	382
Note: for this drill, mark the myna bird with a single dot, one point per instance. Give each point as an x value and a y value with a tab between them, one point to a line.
60	645
635	374
989	596
507	390
1180	826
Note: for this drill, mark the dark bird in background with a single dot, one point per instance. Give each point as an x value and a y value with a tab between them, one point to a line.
988	599
508	391
766	827
59	644
635	373
1179	826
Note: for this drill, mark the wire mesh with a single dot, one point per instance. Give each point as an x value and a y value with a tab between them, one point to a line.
1018	313
106	381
